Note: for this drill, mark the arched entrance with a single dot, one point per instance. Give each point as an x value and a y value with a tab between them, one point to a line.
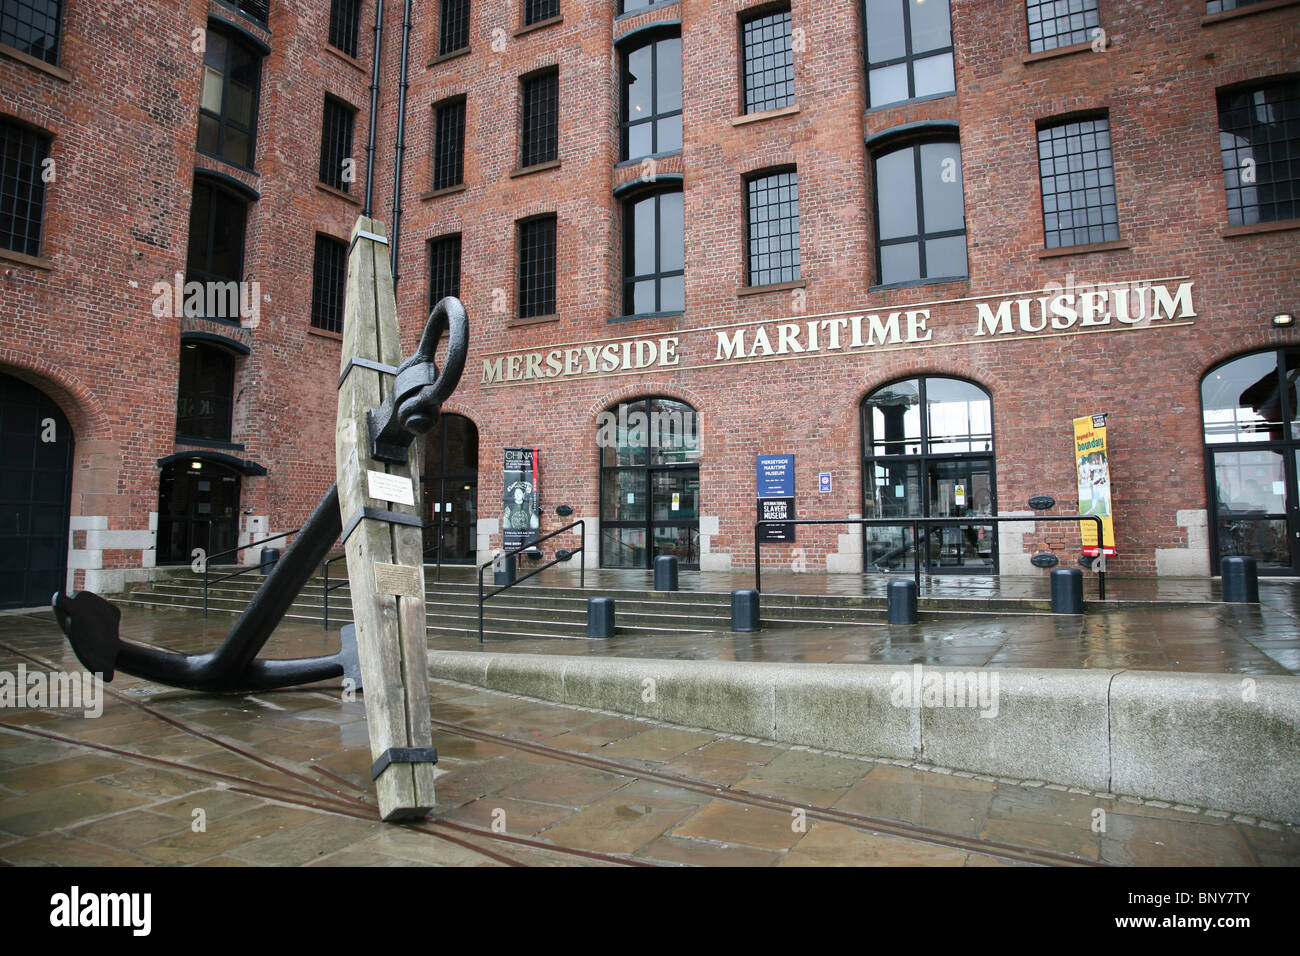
928	452
649	483
35	495
1251	417
449	483
198	507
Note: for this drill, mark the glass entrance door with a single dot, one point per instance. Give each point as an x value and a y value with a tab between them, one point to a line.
675	515
197	508
961	489
1255	510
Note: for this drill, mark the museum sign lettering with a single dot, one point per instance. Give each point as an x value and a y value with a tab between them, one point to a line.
1104	307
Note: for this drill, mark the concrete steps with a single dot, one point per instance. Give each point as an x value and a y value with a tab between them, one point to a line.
526	611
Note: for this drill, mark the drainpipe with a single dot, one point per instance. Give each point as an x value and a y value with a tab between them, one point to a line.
401	139
374	110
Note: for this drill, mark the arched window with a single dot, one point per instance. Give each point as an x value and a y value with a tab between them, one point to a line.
920	215
649	483
1252	401
928	452
450	484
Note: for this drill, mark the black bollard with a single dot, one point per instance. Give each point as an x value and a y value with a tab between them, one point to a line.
744	610
1240	579
666	572
503	569
600	617
902	601
1067	591
269	557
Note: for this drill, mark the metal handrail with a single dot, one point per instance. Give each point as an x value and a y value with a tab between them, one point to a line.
325	594
207	562
579	550
915	524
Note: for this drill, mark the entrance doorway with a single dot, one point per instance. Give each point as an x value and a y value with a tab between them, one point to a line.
35	495
198	507
649	483
1251	416
928	452
449	483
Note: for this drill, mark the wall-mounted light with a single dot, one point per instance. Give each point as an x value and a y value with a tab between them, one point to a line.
1283	319
196	465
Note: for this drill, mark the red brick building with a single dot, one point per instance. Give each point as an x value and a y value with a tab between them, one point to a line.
906	242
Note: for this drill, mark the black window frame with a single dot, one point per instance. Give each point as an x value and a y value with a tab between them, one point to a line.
444	267
650	39
337	131
234	40
9	22
751	66
1224	6
909	58
259	11
453	26
534	285
1110	232
540	11
921	236
449	143
345	26
1072	35
762	181
539	117
630	277
217	195
20	173
224	398
329	280
640	7
1283	135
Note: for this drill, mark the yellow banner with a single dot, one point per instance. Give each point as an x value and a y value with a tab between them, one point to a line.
1090	458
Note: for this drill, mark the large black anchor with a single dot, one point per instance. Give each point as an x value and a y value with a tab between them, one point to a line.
91	623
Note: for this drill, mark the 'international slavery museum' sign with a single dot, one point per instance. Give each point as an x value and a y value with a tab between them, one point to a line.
1043	313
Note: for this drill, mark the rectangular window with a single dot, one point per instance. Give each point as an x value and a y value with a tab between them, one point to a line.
920	213
909	50
32	26
541	118
772	234
537	267
259	10
1259	136
216	248
1221	6
535	11
204	393
768	71
345	25
228	100
329	279
444	269
651	104
453	26
23	152
1057	23
336	163
449	144
1078	177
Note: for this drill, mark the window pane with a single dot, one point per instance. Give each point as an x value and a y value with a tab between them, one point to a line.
888	84
885	34
669	62
1240	401
639	83
934	75
945	257
896	194
895	418
210	98
900	263
670	134
671	230
1259	138
643	226
672	294
639	142
958	416
931	26
942	193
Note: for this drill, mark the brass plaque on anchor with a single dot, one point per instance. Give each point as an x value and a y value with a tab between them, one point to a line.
397	579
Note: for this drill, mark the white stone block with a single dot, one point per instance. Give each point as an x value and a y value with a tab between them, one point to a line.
111	581
153	521
709	524
489	526
88	522
844	563
715	562
119	540
1183	562
850	543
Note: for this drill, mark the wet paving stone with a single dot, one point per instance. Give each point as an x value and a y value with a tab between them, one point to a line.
77	804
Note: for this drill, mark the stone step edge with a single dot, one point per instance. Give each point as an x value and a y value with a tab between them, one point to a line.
1149	734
